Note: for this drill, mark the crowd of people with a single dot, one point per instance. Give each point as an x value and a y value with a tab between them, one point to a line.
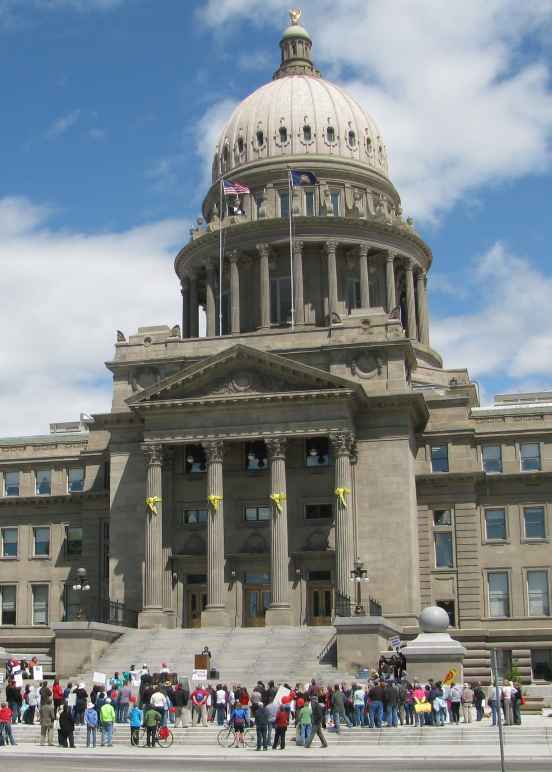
154	701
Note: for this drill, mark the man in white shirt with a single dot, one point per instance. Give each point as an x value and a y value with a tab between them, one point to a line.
507	702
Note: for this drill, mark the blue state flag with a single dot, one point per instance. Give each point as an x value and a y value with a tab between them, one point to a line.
300	177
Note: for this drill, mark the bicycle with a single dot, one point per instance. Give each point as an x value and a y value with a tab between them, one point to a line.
164	738
228	737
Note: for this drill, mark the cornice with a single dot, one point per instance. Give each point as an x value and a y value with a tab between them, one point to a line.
233	399
64	499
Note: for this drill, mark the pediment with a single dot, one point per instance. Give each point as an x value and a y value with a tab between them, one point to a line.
241	372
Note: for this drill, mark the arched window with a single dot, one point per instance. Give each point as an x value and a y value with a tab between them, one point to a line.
240	145
330	134
225	156
368	145
260	137
283	135
294	48
307	133
352	138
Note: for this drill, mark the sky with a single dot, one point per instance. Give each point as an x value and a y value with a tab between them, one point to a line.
109	119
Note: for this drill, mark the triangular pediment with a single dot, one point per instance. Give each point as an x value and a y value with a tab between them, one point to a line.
241	371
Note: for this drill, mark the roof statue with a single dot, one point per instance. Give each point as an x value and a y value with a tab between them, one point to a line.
295	15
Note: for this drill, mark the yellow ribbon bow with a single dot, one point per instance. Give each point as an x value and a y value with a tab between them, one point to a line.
152	502
342	494
214	501
277	498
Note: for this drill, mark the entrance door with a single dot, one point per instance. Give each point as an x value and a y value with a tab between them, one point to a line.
320	604
197	600
257	600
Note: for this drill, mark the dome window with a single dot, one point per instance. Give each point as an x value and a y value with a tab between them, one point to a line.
352	138
260	137
283	135
307	133
330	135
240	145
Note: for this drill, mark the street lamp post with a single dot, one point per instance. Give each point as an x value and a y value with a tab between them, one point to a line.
81	586
359	575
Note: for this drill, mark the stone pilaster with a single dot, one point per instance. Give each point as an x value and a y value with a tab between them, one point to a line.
215	614
279	612
390	281
298	298
235	293
194	307
410	301
423	320
364	278
331	252
210	300
264	271
152	605
342	444
186	315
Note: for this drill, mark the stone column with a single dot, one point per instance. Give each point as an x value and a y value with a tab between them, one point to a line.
423	321
298	298
168	526
331	249
152	606
235	293
410	301
186	315
211	304
215	614
364	280
342	443
390	281
194	306
264	253
279	612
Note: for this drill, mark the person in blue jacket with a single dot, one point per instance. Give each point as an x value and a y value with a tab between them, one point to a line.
136	716
91	723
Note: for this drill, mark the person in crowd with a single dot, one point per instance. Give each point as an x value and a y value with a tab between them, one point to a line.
180	703
272	709
158	701
123	703
317	713
239	720
81	701
376	695
493	703
15	700
152	720
261	716
409	705
391	696
303	720
282	722
6	731
478	697
107	719
517	702
66	728
47	716
338	709
455	696
467	703
199	701
507	702
358	703
31	700
136	717
57	691
220	702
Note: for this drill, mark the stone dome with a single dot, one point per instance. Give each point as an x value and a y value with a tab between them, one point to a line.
299	116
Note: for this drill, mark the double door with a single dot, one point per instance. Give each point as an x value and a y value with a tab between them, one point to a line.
320	604
196	603
256	603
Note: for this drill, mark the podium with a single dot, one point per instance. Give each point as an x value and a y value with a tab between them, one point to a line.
202	662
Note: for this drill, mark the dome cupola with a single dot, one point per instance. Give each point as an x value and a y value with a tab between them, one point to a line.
296	46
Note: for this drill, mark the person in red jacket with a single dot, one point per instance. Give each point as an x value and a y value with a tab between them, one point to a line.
5	724
282	721
57	693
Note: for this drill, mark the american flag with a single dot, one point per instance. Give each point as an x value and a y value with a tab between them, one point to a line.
234	188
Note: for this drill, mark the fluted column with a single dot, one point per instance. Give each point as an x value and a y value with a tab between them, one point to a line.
423	321
410	301
215	614
279	612
152	603
331	250
364	279
168	520
194	306
390	281
211	303
264	255
185	292
298	297
235	293
342	443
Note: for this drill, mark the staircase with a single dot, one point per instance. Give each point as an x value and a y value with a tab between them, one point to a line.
241	655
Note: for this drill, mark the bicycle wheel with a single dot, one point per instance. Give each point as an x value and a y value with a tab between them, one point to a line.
250	736
165	742
143	737
226	738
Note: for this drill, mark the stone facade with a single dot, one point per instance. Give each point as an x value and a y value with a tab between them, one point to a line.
240	475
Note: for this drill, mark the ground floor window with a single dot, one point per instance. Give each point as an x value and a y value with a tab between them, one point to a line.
541	663
449	607
7	604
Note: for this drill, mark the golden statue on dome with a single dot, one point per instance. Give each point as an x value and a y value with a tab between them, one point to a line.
295	15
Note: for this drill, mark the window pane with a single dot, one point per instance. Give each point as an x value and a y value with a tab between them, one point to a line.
442	517
439	458
309	201
264	513
196	462
41	542
284	310
12	484
353	292
499	600
9	543
43	482
443	550
318	511
76	479
541	662
7	604
530	456
336	203
534	523
537	592
74	541
492	458
317	451
448	606
192	517
40	604
256	456
495	524
284	204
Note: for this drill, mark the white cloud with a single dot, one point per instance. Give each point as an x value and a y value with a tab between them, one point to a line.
508	333
63	124
462	98
208	131
63	296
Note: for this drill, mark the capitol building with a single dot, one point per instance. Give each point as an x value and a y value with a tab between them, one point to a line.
244	477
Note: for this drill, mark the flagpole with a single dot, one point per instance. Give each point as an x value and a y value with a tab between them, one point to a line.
220	253
290	213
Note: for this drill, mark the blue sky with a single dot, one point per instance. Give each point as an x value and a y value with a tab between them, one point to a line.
110	115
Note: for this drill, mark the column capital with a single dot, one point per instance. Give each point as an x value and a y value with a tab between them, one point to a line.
363	250
154	454
233	256
298	246
342	442
390	256
276	447
263	249
214	450
331	246
408	264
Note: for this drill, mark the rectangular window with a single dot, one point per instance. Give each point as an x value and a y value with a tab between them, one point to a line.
538	598
318	511
284	204
317	450
439	458
353	292
533	522
7	604
499	594
443	549
41	542
43	482
449	607
8	543
196	578
192	517
71	604
196	461
492	458
40	604
75	479
280	300
541	664
336	203
320	576
73	541
256	459
495	525
11	484
310	204
257	514
442	517
530	457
